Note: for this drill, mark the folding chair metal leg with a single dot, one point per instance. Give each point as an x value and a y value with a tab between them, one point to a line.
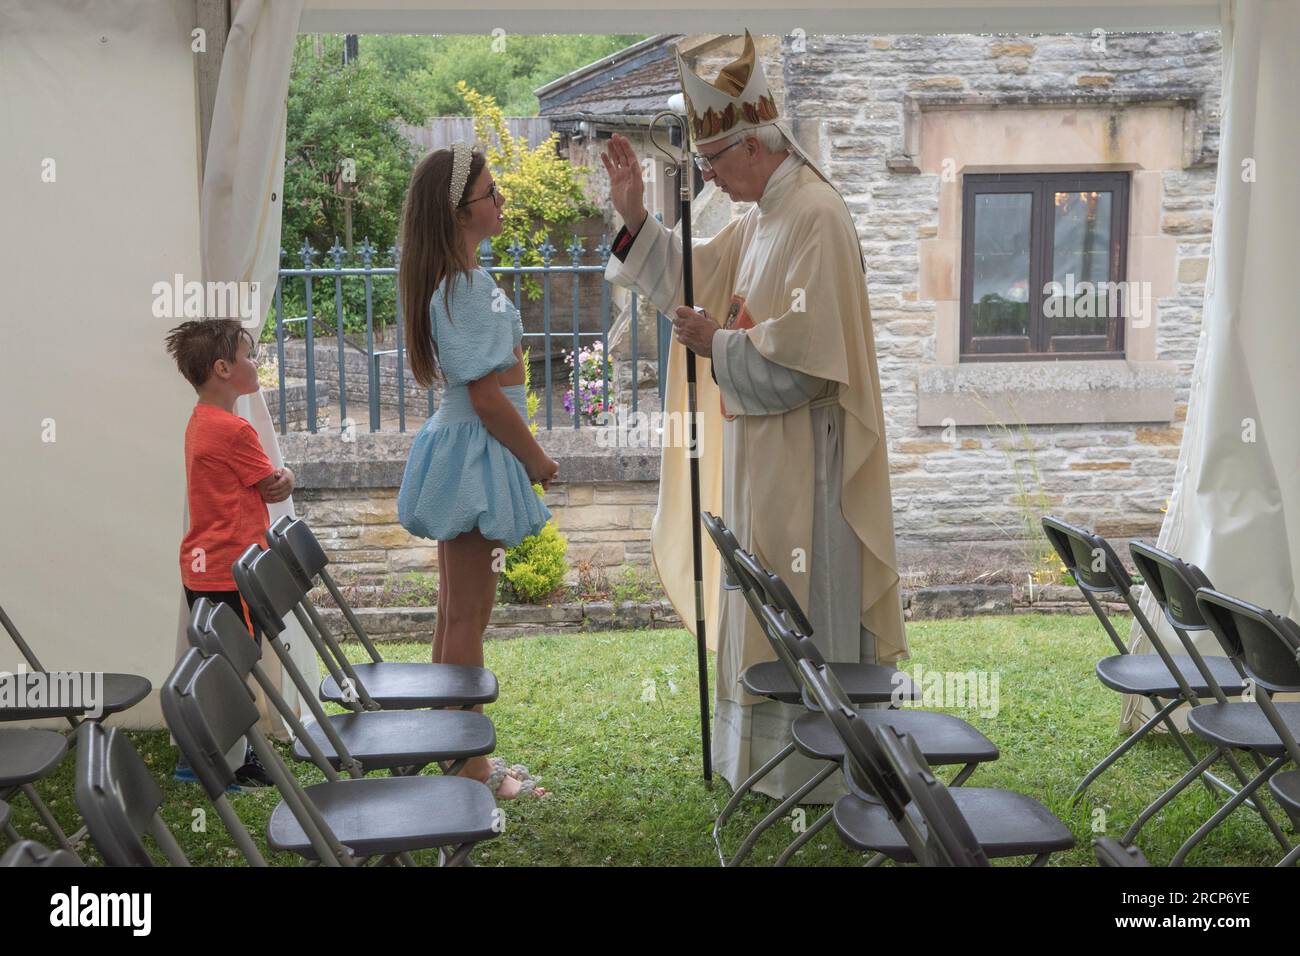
1200	769
1161	715
781	810
1291	858
743	789
47	818
818	825
1261	778
1158	804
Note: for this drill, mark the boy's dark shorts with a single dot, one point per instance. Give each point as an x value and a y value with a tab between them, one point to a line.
235	602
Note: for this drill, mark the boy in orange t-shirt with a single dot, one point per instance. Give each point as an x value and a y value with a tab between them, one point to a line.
228	477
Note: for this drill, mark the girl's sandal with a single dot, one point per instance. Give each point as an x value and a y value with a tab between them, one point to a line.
518	771
498	776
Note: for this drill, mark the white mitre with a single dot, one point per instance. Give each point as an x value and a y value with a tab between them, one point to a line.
737	101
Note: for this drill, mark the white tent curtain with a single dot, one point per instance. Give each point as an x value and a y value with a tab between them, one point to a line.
1235	508
240	215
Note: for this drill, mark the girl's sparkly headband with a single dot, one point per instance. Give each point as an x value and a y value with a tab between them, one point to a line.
461	154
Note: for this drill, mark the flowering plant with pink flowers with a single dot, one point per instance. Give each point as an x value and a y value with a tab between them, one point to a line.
593	367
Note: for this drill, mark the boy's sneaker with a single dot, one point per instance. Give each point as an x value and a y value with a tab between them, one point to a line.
185	774
252	773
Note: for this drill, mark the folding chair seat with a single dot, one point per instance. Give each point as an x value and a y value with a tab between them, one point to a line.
393	685
28	755
208	707
31	853
1232	726
120	800
1004	824
119	692
273	591
398	740
1097	570
944	739
1147	674
874	816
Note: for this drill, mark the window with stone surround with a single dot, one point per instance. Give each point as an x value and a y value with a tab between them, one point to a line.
1141	136
1043	266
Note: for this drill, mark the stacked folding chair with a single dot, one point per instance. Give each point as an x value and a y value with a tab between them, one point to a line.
946	740
1173	584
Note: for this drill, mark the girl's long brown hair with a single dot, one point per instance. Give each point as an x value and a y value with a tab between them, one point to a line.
432	249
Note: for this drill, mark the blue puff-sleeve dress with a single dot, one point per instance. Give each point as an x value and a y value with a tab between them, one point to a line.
458	477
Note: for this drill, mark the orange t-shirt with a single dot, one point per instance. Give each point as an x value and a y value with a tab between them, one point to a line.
224	462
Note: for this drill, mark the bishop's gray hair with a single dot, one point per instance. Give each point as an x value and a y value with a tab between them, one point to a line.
770	136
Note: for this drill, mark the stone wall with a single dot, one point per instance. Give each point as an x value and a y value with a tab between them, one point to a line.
858	99
347	492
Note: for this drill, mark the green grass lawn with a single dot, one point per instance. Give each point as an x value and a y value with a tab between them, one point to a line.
625	770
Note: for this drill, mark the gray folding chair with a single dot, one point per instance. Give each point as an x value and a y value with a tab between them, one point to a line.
119	799
872	817
1173	584
119	691
31	853
273	591
401	741
339	822
944	740
1097	569
28	755
775	680
1267	646
385	684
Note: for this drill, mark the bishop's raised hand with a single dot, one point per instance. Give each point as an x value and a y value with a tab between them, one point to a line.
626	189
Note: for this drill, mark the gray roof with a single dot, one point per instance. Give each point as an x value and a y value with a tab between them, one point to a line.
633	82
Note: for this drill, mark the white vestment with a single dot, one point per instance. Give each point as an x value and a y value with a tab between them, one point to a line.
795	382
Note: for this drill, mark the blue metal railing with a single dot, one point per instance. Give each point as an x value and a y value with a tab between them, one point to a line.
312	276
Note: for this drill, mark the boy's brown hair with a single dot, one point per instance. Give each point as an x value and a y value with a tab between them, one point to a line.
196	345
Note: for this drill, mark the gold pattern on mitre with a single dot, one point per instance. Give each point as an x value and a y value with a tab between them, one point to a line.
736	100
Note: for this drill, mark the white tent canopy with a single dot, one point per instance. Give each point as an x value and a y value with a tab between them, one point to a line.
104	196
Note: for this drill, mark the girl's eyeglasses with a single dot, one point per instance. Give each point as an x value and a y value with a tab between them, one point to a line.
491	194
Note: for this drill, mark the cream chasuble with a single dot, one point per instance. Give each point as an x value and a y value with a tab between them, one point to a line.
800	475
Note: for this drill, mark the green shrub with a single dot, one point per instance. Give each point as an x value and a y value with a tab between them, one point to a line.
536	566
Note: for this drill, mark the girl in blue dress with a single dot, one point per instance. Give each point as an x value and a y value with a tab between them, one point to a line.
468	480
